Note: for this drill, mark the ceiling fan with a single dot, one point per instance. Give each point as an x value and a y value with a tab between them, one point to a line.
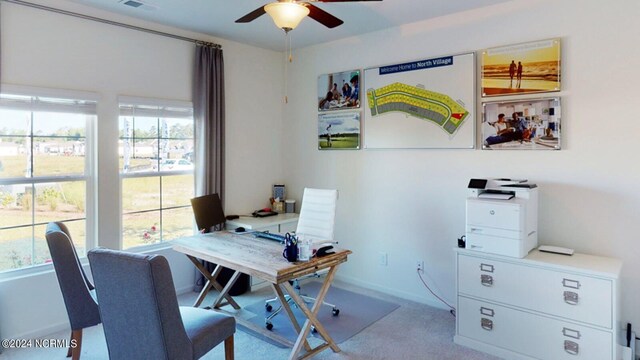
287	14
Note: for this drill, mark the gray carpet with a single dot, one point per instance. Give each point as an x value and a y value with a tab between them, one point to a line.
357	311
412	332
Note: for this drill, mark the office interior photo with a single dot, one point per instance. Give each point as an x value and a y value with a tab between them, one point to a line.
147	145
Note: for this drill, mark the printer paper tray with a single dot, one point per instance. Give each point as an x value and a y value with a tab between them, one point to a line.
497	245
495	232
497	196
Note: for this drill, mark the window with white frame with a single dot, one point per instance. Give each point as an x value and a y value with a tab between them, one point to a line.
46	171
156	170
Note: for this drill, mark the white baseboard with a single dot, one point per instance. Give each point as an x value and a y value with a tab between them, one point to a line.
44	331
489	349
184	289
391	291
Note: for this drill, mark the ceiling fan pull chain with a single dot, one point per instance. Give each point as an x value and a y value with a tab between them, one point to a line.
290	51
286	38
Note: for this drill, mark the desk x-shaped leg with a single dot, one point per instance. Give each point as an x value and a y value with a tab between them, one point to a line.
312	319
211	281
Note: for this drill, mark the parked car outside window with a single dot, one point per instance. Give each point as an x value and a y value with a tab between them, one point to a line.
175	164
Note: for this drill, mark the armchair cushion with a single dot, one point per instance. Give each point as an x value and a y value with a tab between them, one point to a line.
206	328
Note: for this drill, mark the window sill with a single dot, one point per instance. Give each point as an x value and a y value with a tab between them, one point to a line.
143	249
15	274
9	275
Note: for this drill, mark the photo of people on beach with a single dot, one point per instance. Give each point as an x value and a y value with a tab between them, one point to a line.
531	67
532	124
339	91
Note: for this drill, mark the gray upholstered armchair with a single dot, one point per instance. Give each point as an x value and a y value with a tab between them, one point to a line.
140	313
77	290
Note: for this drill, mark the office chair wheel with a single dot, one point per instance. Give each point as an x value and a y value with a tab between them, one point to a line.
268	307
269	325
313	329
335	311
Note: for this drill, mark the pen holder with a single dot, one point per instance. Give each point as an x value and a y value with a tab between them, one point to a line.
290	251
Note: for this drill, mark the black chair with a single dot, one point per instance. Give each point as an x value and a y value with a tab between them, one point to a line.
77	291
208	212
209	216
140	313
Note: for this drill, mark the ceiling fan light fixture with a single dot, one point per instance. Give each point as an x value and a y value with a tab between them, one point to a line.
286	15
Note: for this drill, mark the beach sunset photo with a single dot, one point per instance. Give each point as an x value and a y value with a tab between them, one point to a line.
531	67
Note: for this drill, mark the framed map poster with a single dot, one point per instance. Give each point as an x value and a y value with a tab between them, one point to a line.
424	104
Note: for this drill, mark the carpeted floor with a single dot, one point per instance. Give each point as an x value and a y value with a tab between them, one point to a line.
413	332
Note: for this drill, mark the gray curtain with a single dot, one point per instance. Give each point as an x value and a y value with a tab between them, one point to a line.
208	111
0	67
208	108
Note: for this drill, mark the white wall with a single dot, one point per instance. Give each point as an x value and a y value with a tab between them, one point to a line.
408	203
411	203
51	50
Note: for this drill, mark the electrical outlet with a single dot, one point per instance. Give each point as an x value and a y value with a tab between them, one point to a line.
420	266
382	258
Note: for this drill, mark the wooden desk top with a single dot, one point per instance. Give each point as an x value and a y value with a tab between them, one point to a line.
253	256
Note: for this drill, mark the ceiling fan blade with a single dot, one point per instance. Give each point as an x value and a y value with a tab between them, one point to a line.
323	17
252	15
341	0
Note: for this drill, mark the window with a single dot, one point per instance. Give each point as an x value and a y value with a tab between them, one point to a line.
46	172
156	170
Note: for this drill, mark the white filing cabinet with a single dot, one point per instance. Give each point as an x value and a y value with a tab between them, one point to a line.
281	224
543	306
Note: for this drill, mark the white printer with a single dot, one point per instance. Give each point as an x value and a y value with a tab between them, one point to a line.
502	216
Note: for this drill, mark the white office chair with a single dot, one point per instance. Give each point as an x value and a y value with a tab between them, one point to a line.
316	222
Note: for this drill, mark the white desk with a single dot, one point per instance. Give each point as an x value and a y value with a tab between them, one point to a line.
281	223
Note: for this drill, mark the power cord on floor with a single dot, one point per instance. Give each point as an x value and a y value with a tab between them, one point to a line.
452	310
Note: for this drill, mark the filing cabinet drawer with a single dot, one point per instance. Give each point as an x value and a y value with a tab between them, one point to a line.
526	333
576	297
495	214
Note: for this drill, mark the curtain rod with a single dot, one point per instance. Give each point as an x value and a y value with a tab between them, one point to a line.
109	22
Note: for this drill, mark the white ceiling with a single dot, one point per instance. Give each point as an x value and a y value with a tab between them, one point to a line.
217	17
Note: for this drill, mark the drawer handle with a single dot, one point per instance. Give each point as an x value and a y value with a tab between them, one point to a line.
571	333
486	311
571	297
486	324
486	267
573	284
486	280
571	347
